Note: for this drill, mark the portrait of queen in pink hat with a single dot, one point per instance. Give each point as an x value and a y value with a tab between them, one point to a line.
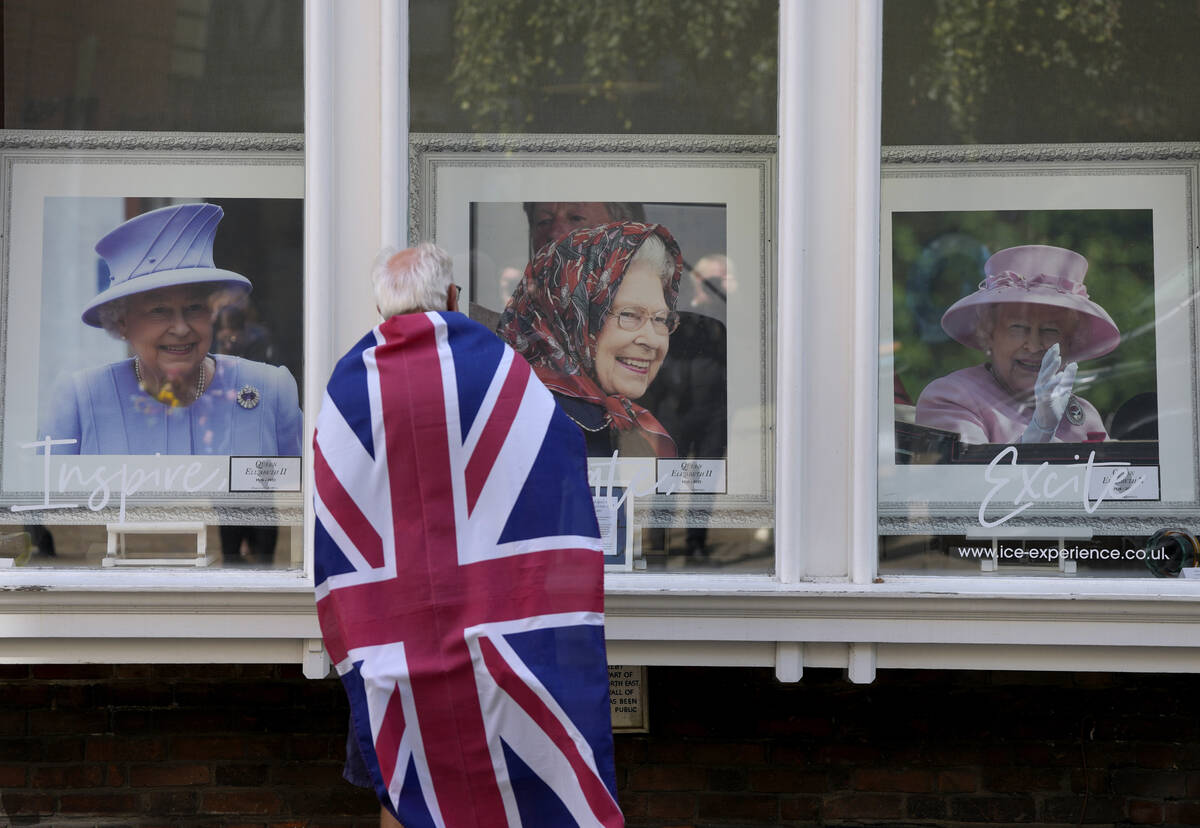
1033	321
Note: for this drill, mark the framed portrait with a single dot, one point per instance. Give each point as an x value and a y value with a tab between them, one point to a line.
494	201
61	195
1130	213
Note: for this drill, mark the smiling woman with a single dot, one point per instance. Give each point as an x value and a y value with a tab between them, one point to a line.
593	315
172	396
1030	316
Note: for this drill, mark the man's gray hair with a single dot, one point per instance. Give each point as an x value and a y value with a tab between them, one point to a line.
411	283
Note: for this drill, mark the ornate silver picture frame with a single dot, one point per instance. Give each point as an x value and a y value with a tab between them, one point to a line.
61	192
1131	211
464	187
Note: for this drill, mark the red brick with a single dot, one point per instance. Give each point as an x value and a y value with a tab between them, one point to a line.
240	802
992	809
12	776
738	806
806	808
117	748
787	780
711	753
1019	780
1147	783
21	803
864	806
14	723
273	746
25	695
958	780
851	754
161	775
161	803
634	805
670	806
244	775
67	749
98	803
884	780
207	747
67	776
14	672
1156	756
1144	812
1183	812
322	747
114	775
306	773
47	722
667	778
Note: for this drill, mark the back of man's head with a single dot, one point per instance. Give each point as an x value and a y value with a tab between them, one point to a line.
411	281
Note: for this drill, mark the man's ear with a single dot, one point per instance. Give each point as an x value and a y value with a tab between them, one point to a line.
452	298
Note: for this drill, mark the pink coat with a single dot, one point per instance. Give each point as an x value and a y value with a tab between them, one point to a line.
971	403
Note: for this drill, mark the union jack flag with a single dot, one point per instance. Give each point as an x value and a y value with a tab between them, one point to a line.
460	581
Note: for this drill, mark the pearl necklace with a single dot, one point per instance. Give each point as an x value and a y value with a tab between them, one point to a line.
201	381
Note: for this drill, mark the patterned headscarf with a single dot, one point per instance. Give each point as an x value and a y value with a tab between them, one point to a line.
555	315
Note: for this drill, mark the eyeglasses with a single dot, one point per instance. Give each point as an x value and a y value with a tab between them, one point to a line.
632	319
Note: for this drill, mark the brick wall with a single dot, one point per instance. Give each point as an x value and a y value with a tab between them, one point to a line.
736	748
214	745
251	746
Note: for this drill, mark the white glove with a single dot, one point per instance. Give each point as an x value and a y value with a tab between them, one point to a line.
1052	392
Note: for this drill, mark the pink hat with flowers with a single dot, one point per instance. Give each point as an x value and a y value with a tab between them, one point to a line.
1036	274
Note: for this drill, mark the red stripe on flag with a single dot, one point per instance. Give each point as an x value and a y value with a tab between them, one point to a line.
603	806
387	743
496	430
346	512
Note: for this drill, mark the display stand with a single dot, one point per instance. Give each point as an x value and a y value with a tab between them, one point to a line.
117	555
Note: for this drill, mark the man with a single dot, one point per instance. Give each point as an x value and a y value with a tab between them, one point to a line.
711	285
459	573
550	220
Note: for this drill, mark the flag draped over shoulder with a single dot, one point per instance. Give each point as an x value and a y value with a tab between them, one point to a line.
460	581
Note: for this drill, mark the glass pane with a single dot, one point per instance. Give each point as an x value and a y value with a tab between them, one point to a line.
1021	71
1037	326
684	66
151	325
552	74
182	66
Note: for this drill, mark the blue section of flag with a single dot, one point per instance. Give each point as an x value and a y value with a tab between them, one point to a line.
537	804
564	660
555	470
477	354
412	801
348	390
331	561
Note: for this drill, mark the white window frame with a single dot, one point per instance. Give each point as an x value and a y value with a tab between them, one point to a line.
825	606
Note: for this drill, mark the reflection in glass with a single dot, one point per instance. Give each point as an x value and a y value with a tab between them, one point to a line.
558	66
212	66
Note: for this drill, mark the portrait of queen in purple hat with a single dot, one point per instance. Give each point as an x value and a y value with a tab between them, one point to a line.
1034	322
172	395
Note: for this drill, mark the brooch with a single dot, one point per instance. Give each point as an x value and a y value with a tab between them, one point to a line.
1074	412
248	396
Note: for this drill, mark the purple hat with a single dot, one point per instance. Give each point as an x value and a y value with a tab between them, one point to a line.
1036	274
162	248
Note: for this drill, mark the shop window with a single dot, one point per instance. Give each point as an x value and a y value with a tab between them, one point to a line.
152	272
1038	264
533	120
